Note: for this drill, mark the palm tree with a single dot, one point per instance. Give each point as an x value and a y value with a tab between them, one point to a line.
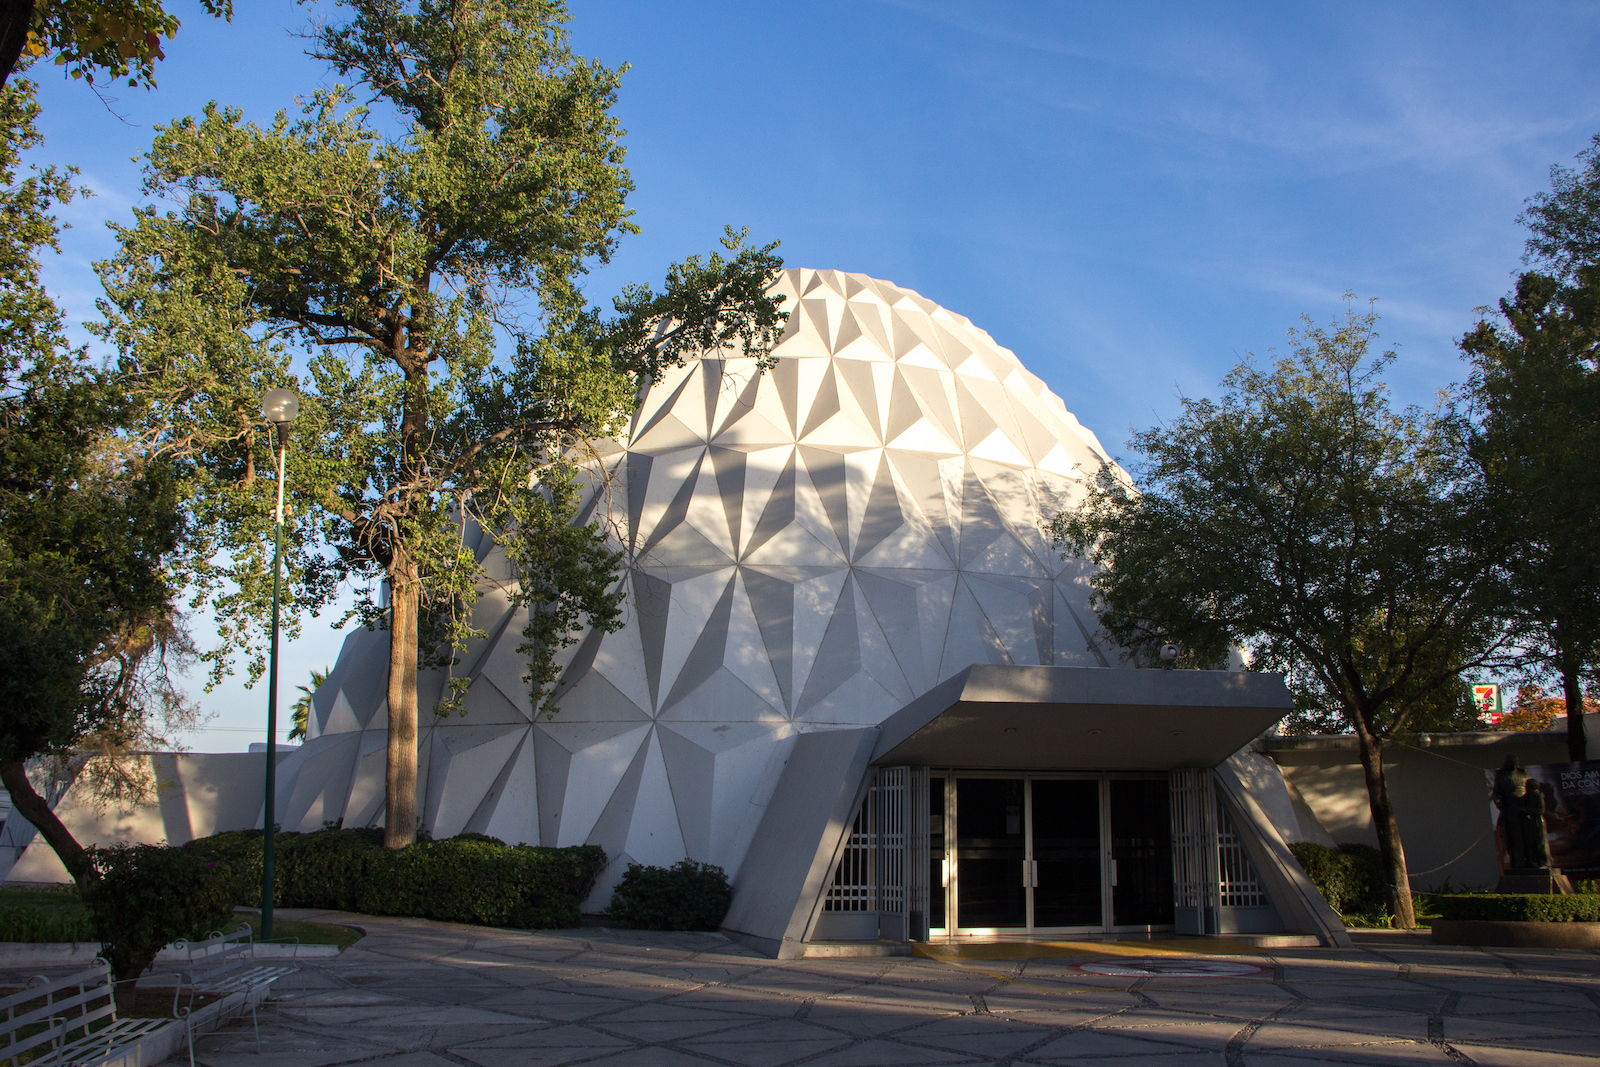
300	715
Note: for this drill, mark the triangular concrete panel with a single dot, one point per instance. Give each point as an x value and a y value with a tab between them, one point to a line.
694	602
816	599
609	829
653	834
691	774
466	761
601	754
748	655
839	654
510	809
722	698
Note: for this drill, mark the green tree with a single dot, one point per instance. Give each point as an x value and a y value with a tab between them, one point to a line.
1536	383
1301	517
86	527
120	38
1564	223
427	251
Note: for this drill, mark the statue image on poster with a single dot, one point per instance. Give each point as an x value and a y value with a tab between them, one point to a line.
1547	816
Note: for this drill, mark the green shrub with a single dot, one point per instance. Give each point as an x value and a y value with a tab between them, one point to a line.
1350	878
240	852
471	878
685	896
1520	907
144	897
322	870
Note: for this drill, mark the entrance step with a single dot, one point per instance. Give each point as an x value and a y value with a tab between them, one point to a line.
1278	940
855	949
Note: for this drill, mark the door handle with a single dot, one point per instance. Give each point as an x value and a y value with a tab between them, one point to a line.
1030	874
1113	873
944	874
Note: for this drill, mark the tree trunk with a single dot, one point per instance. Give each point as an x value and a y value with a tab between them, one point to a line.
15	18
1572	689
1387	828
400	801
33	807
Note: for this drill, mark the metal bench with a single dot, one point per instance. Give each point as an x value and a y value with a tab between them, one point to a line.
68	1021
224	964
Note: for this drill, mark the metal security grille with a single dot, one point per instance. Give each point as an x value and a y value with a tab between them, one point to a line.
917	892
1194	834
871	875
892	787
854	885
1237	885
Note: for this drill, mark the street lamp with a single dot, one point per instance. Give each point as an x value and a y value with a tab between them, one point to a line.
278	407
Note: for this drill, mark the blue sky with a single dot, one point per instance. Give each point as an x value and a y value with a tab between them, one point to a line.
1130	196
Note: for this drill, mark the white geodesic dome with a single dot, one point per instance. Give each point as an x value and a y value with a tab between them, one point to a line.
807	549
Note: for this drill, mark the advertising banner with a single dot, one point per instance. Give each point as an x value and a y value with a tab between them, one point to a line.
1486	698
1571	816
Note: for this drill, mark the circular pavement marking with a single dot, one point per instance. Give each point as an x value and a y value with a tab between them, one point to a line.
1170	968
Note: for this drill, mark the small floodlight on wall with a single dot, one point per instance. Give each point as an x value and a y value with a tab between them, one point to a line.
1169	655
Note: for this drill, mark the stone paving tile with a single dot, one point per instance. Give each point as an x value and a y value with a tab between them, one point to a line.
768	1053
1492	1056
565	1036
1374	1055
985	1044
1081	1044
1533	1025
1341	1020
883	1053
417	994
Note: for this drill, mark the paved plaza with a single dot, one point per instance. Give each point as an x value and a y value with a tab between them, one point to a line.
417	994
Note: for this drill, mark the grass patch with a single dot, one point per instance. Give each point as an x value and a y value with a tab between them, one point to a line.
308	933
44	914
48	914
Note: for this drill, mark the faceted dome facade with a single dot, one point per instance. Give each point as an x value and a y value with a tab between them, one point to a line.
807	549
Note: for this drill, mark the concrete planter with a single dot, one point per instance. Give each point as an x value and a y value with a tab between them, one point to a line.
1514	934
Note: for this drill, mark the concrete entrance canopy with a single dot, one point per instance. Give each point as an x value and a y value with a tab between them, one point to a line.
991	717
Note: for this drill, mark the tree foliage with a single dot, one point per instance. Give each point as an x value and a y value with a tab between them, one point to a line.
412	267
86	527
1536	386
1535	709
1301	517
115	38
1564	223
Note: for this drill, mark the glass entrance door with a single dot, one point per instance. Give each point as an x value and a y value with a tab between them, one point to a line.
991	853
1141	853
1036	853
1067	888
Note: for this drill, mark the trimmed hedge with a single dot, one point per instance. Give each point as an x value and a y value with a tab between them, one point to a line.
685	896
467	879
1350	877
1519	907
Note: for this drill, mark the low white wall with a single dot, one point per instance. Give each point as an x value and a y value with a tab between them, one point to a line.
198	794
1436	782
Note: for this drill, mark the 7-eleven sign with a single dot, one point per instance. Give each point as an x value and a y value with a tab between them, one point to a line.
1486	698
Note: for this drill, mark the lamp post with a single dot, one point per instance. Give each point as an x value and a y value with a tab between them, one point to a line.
278	407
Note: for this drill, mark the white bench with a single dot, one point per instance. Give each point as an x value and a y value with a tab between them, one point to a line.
224	964
71	1020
